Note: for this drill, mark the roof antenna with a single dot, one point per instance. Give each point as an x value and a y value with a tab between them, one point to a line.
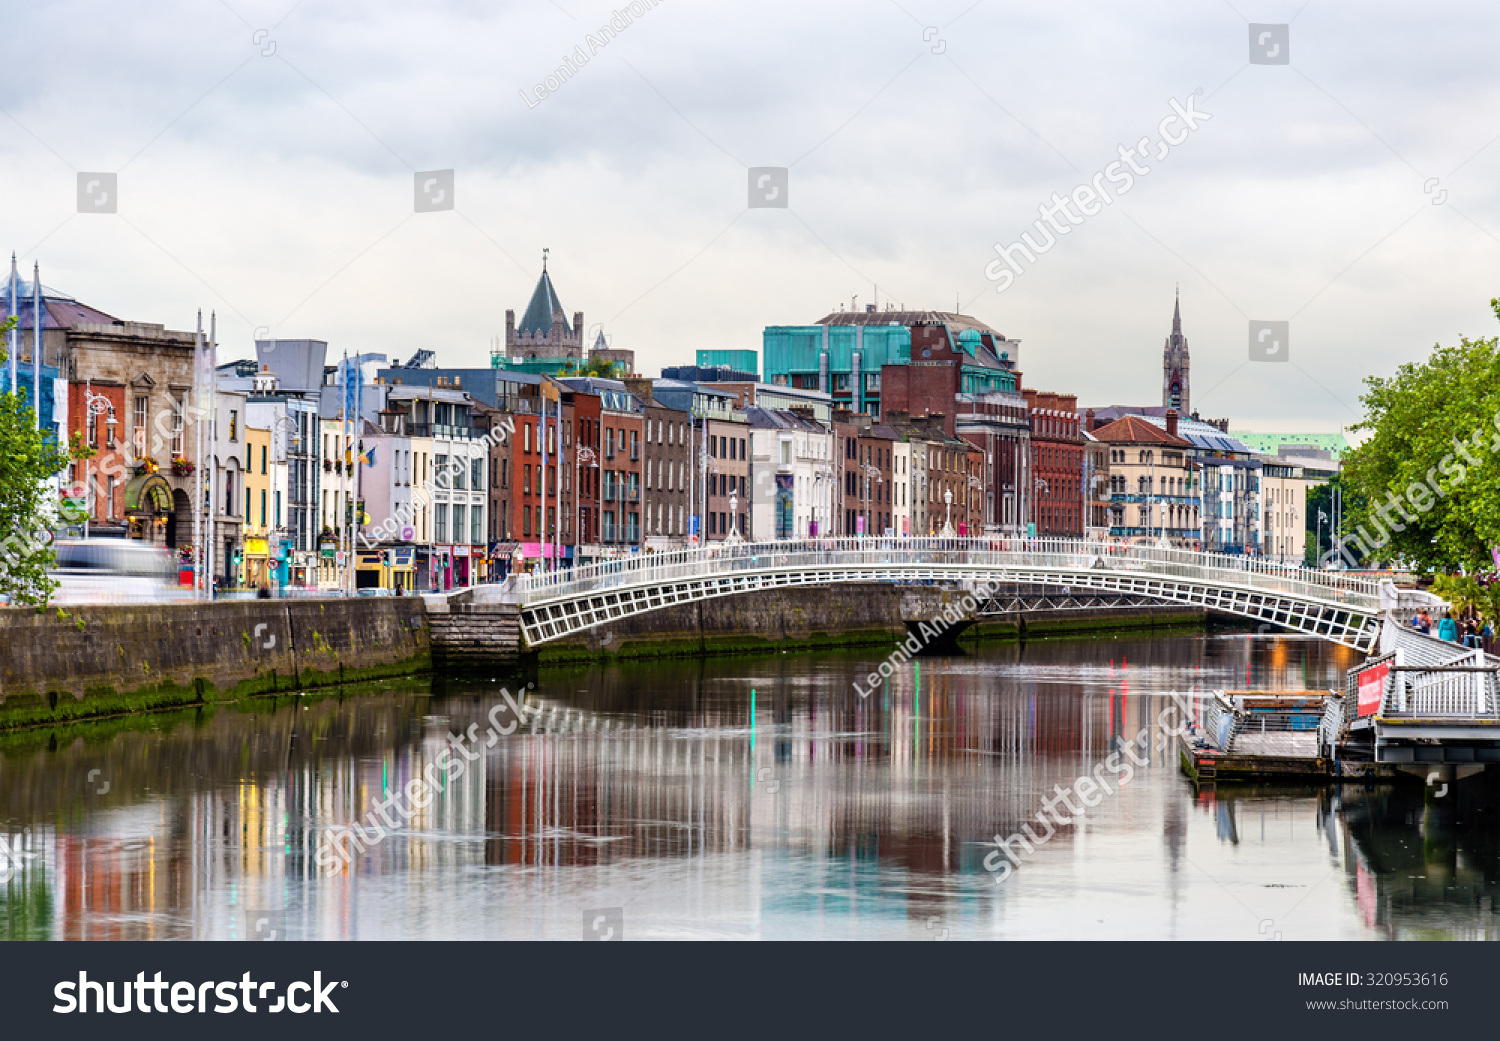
544	259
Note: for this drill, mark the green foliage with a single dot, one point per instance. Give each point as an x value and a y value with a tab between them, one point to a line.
1319	541
1465	592
1429	474
28	457
593	367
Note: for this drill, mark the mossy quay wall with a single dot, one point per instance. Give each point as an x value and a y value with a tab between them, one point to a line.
63	663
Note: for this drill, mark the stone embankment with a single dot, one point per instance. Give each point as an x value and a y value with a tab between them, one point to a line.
64	663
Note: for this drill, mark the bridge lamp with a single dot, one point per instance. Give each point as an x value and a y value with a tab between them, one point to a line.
947	531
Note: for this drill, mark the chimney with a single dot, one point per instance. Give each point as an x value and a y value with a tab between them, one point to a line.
1089	422
640	387
1172	422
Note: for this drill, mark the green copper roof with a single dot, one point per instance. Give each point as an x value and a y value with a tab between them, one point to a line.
538	317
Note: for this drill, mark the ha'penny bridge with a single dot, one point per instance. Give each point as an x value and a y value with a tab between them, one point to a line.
1338	606
1439	704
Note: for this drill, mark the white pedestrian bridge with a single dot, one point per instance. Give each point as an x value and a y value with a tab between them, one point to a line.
1346	608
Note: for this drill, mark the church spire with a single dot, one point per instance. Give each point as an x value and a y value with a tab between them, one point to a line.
1175	364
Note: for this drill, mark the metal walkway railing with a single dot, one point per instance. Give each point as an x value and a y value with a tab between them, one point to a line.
1339	606
990	554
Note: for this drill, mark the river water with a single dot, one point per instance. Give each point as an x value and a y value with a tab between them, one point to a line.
738	798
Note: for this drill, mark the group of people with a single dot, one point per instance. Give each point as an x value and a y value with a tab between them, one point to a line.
1468	629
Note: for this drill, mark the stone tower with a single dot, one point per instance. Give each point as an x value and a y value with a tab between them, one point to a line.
544	330
1174	367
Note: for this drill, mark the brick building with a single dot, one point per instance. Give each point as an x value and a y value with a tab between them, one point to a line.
1057	463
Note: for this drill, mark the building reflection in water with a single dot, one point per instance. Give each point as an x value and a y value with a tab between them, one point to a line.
657	787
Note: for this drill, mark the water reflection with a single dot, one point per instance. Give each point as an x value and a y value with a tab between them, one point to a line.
755	797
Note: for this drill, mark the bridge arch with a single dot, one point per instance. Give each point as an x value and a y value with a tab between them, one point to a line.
1346	609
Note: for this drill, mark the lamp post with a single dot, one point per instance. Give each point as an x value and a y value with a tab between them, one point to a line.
706	466
1039	484
734	519
582	454
947	531
873	474
95	405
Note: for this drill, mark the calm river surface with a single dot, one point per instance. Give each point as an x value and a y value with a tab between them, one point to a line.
665	801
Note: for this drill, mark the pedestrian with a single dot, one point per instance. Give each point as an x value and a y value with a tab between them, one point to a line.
1447	628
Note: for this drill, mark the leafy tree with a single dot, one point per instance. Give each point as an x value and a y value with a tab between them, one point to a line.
593	367
1320	536
1429	474
28	512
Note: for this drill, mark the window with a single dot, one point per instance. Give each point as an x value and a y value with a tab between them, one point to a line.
635	448
177	420
141	404
247	505
249	465
609	442
525	521
263	458
526	427
234	425
476	474
276	509
262	507
460	518
526	478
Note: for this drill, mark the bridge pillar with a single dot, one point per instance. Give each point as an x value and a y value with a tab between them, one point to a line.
474	636
936	616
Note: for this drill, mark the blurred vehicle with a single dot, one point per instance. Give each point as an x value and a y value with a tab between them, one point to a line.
101	571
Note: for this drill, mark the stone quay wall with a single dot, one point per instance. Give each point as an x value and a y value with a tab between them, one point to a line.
63	663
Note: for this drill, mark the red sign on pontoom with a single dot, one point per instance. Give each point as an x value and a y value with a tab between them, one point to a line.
1371	687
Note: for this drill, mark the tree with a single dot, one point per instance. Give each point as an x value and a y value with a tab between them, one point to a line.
1320	535
1429	472
28	512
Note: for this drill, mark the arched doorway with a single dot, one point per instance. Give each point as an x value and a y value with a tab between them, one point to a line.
148	504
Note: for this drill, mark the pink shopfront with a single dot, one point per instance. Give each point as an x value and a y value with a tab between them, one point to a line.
451	567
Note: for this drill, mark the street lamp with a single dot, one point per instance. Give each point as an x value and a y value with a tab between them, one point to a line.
734	519
1039	484
947	532
582	454
873	474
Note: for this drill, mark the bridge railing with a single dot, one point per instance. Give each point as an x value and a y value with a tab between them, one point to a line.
950	554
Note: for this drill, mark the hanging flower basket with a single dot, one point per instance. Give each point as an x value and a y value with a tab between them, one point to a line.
182	467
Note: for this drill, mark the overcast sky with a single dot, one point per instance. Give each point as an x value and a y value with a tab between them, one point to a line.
266	151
